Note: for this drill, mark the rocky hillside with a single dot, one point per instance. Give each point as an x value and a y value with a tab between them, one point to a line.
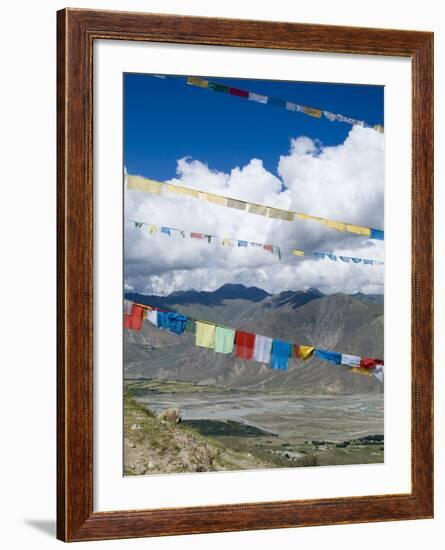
349	324
154	446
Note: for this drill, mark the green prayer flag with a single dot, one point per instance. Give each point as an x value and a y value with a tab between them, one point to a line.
218	87
224	338
190	326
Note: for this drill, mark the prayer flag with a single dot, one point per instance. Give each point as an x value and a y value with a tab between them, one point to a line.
195	81
268	247
312	112
166	230
152	228
152	316
306	352
218	87
196	235
350	360
190	326
377	234
262	349
291	106
178	190
295	350
138	183
379	373
365	231
280	214
238	92
128	306
239	205
205	334
226	241
257	97
369	363
135	320
330	116
242	243
224	338
338	226
244	344
330	356
257	209
215	199
359	370
297	252
281	351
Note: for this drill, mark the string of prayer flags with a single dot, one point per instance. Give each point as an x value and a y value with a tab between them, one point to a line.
277	102
138	183
274	249
246	345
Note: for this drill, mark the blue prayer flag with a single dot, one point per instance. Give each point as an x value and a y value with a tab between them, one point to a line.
281	351
377	234
330	356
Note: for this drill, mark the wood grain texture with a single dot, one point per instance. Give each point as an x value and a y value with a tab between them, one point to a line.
76	32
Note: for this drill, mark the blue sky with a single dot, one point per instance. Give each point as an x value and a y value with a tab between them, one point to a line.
166	119
234	147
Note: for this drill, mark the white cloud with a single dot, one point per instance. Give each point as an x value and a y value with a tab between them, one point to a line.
343	183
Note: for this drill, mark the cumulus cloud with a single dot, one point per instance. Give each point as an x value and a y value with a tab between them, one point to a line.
343	182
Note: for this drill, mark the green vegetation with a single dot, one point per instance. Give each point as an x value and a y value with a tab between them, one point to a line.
227	428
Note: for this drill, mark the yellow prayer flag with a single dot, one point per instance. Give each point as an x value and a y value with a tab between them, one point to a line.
195	81
216	199
297	252
299	215
379	128
306	352
312	112
362	371
205	335
233	203
357	229
257	209
280	214
152	228
339	226
138	183
226	241
178	190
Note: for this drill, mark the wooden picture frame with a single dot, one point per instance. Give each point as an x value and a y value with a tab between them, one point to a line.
77	31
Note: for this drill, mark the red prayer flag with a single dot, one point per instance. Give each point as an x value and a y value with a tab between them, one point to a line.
268	247
238	92
197	235
295	350
369	363
244	344
136	319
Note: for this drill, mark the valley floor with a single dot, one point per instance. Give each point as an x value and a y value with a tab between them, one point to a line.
225	429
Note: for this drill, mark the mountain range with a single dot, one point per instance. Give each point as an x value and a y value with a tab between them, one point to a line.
345	323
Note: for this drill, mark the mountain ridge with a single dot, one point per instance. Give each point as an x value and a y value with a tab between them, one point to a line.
345	323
